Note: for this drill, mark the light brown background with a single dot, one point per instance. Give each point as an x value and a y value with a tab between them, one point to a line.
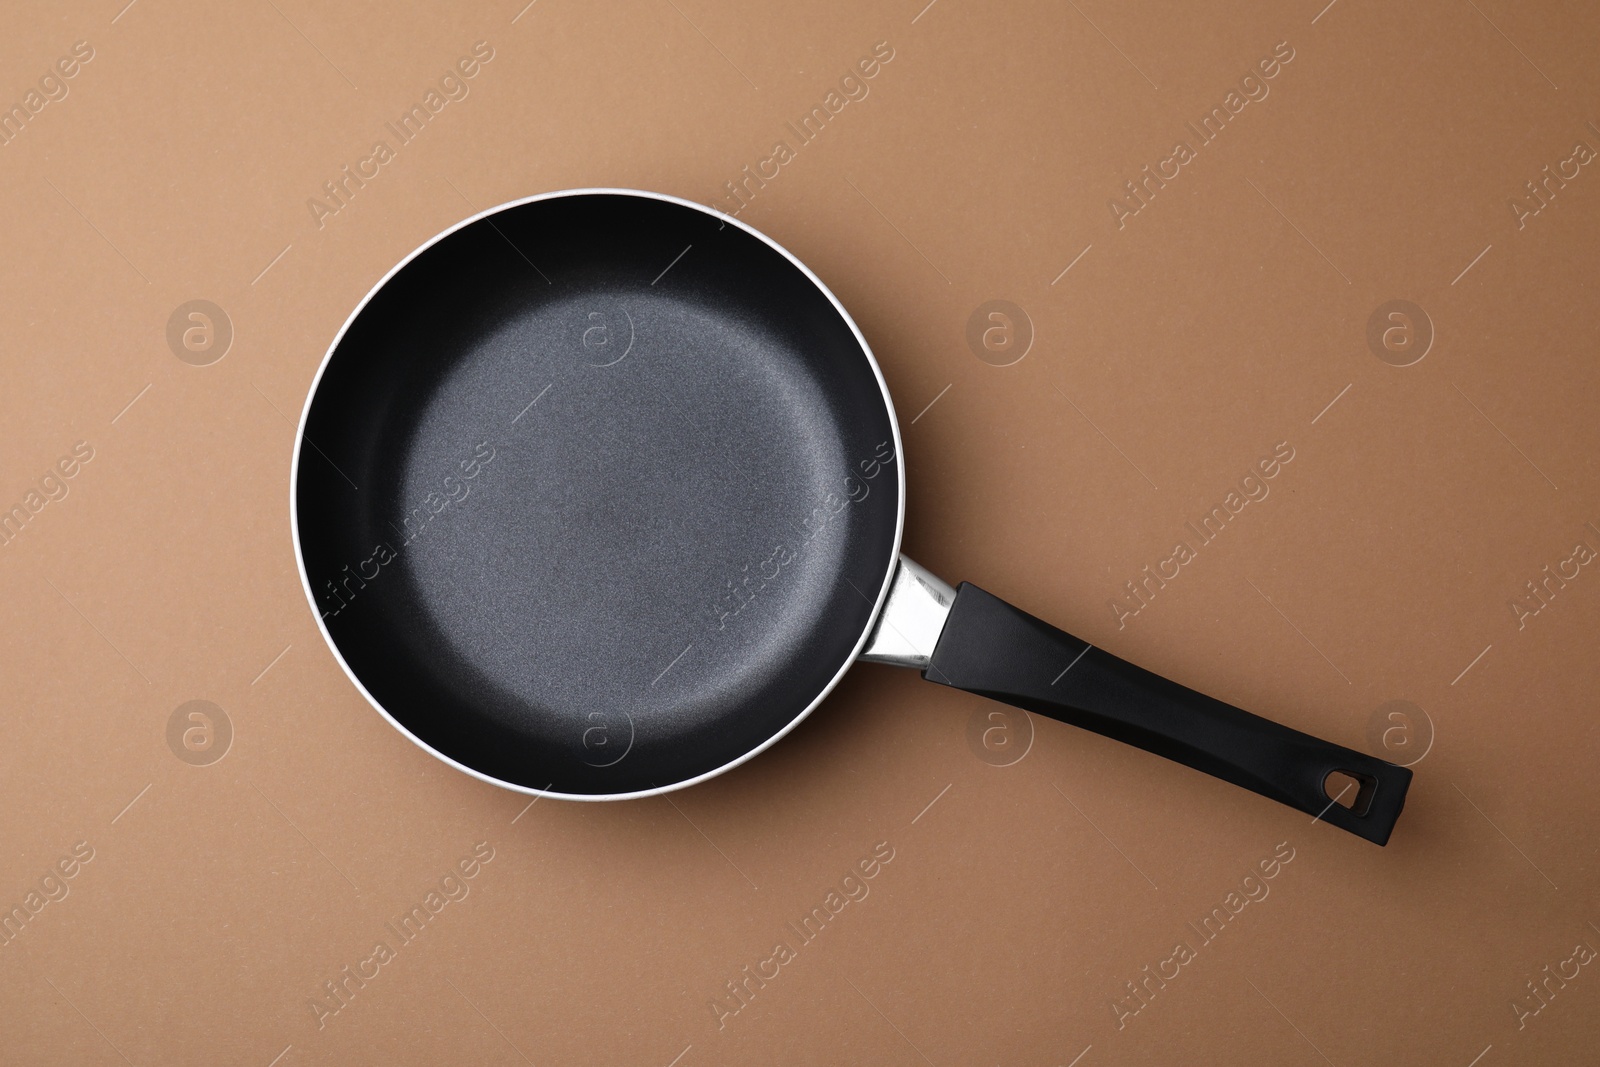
1224	318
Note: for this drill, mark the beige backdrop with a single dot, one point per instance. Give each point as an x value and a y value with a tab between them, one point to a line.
177	907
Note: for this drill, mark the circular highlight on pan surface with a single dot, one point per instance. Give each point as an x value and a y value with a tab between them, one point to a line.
681	524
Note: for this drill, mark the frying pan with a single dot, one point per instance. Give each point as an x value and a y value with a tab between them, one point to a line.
599	493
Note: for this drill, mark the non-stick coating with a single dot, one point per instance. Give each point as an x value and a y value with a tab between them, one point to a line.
598	494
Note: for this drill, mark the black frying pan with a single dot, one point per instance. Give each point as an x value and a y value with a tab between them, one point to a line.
599	493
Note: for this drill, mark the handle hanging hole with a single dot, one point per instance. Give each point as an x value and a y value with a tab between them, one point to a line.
1351	790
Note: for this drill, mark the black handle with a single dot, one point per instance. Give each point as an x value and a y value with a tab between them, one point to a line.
995	650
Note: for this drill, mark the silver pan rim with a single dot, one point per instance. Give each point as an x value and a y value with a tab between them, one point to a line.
889	563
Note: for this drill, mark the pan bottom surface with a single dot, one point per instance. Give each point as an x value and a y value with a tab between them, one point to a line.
609	535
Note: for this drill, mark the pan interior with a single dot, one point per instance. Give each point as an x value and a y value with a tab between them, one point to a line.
597	494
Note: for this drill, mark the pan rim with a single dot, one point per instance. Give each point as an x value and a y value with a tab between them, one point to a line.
866	630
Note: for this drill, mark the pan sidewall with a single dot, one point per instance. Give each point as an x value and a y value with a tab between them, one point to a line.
888	564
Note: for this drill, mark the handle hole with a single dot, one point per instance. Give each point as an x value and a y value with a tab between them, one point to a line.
1351	790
